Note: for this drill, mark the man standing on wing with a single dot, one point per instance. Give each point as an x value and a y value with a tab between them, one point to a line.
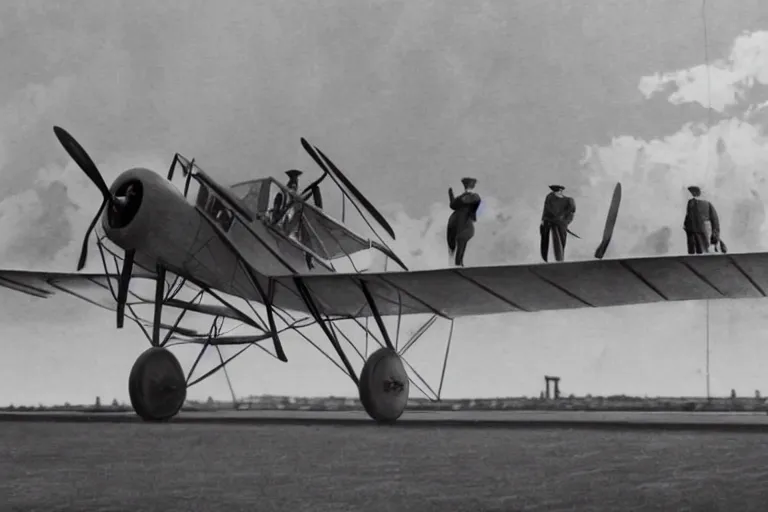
558	214
701	224
461	223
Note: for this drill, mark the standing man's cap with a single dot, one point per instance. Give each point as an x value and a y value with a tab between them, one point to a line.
693	189
556	188
469	182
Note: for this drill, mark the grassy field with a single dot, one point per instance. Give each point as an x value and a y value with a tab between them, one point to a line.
179	467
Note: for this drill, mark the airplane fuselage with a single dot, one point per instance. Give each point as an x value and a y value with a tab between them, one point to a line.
163	227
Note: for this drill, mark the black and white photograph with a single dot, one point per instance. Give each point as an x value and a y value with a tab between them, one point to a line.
383	255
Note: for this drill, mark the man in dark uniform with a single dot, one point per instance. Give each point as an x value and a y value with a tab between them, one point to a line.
701	224
558	214
280	201
287	212
461	223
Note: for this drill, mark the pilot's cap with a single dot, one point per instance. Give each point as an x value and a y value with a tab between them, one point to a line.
293	174
556	188
469	182
293	177
693	189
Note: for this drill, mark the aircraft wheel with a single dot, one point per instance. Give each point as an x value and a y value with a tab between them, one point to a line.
384	386
157	385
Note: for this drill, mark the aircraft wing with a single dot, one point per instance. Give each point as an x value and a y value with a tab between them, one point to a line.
101	290
469	291
46	284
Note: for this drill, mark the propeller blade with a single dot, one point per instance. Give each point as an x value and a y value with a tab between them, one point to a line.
313	189
313	152
359	196
122	290
313	184
317	197
84	250
81	158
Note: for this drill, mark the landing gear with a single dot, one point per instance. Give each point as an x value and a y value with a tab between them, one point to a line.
384	386
157	385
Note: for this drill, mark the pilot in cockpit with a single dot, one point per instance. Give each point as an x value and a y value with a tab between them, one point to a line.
287	214
284	209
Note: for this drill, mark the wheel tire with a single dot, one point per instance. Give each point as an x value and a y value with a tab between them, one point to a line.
384	386
157	385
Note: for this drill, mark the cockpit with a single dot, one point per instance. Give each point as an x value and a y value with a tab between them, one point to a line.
257	195
261	197
215	208
276	204
300	224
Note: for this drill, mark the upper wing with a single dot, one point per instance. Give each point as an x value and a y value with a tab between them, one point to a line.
455	292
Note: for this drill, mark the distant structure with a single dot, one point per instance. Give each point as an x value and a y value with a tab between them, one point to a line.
556	381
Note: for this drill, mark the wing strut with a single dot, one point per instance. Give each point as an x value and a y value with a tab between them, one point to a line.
309	301
159	291
122	289
376	315
267	300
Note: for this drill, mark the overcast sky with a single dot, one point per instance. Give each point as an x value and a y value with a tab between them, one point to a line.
407	97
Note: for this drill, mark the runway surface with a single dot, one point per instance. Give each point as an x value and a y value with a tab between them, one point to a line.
326	462
740	422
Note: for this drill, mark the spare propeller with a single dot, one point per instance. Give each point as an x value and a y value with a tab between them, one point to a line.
313	152
81	158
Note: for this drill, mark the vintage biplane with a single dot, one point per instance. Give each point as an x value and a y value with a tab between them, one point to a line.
228	243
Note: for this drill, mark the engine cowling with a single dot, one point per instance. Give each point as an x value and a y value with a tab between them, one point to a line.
155	219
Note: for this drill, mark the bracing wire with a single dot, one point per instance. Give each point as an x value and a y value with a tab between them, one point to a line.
709	129
706	64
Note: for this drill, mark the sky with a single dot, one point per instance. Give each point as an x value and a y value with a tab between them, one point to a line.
407	98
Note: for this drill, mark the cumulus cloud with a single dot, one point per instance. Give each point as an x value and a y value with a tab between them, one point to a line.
44	226
721	83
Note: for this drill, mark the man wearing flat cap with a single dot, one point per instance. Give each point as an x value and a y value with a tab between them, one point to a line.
558	214
461	223
701	224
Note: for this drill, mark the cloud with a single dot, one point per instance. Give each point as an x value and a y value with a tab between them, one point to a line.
723	82
44	226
